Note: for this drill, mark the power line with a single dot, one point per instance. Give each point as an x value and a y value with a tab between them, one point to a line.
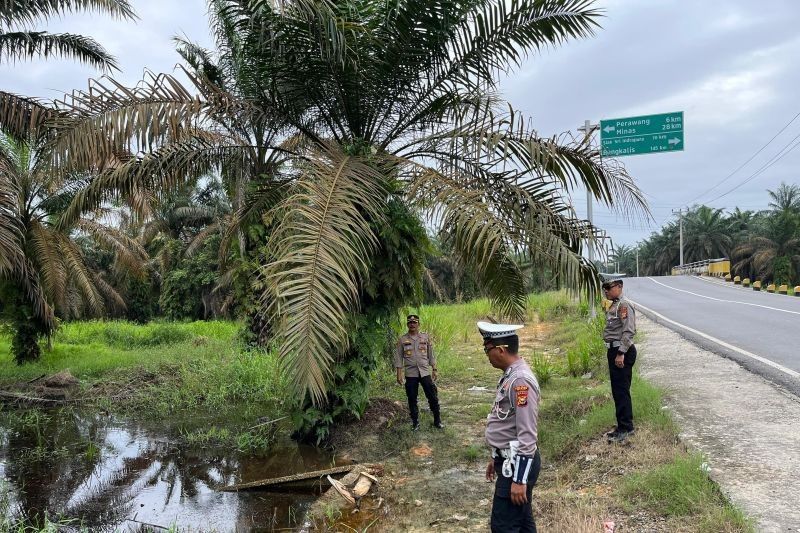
740	167
777	157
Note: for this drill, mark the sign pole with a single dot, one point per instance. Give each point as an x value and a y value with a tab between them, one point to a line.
588	129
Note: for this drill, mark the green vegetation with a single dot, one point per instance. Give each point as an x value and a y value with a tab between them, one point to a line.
762	245
585	479
679	488
160	369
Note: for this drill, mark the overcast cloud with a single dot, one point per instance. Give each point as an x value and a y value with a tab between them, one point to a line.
730	65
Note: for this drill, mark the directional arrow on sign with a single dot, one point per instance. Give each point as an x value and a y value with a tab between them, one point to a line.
674	141
609	129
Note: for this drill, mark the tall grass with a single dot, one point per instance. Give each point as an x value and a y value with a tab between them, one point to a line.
130	336
92	349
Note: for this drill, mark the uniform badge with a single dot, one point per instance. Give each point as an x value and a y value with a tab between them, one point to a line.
522	395
623	312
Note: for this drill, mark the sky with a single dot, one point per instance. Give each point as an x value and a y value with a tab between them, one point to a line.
727	64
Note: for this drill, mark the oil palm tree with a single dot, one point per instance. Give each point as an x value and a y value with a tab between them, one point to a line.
786	198
625	258
47	275
18	41
772	252
707	234
359	105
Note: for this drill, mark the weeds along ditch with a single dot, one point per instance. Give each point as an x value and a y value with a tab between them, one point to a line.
193	399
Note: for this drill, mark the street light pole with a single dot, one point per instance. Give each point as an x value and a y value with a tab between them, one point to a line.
680	232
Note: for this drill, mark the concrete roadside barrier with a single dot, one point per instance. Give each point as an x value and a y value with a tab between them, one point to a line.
771	287
757	285
746	282
737	280
783	289
728	277
797	290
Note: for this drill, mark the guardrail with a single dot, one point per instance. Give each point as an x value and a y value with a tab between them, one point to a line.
770	287
712	267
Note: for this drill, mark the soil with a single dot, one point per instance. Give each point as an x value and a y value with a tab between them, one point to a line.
435	480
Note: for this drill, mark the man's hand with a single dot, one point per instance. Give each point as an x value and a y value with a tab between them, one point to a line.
400	376
519	494
490	471
619	360
434	374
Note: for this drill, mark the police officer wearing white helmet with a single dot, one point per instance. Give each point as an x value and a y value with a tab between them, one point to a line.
511	431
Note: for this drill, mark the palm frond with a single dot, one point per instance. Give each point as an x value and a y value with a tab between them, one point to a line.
28	45
110	119
20	116
504	141
128	253
79	274
201	237
322	251
49	262
163	170
21	13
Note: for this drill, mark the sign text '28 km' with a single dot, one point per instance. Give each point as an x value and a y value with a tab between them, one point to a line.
647	134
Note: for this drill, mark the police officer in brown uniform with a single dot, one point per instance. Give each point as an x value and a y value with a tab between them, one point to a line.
415	361
511	431
618	336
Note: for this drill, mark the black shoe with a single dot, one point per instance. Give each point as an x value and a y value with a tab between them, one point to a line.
438	425
612	432
414	426
620	436
613	436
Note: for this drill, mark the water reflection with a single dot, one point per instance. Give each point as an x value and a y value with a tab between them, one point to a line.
111	474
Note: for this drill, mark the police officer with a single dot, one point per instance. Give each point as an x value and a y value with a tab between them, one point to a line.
511	431
618	336
415	361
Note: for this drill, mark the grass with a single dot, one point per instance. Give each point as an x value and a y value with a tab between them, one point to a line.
168	370
568	356
679	488
196	371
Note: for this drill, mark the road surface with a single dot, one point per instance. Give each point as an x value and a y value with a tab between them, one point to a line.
757	329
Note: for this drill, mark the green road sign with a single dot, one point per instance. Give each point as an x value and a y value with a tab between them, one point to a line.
647	134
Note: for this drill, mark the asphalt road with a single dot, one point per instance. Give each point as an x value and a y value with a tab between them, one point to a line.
757	329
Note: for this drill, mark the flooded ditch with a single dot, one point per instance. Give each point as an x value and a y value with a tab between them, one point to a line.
110	473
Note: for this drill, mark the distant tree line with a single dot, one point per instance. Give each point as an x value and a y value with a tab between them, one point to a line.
762	245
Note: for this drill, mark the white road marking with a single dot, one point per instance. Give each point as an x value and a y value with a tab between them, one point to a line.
722	343
725	301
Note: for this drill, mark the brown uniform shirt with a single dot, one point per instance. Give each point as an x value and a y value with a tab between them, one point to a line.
515	413
415	355
620	324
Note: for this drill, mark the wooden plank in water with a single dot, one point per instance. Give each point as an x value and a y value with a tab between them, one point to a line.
286	479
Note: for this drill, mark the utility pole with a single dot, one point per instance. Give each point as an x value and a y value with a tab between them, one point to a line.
588	129
680	231
637	261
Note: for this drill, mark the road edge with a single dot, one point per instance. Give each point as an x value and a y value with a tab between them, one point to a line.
783	378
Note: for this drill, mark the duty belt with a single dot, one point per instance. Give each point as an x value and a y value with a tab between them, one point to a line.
613	344
497	452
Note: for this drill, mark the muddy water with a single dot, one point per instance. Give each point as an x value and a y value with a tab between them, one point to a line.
110	473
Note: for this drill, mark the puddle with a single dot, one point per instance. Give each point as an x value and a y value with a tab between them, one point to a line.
109	473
